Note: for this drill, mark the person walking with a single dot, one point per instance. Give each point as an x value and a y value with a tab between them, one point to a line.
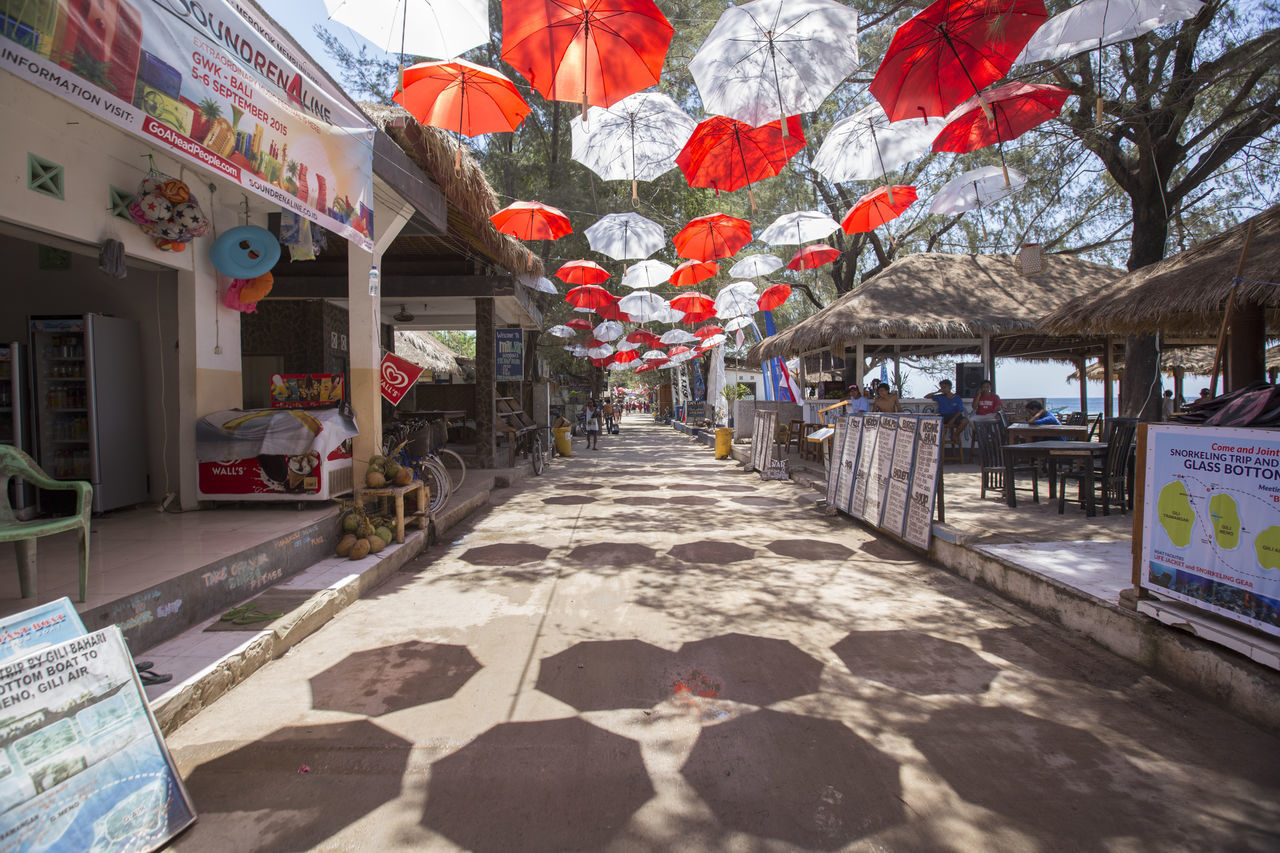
607	411
592	411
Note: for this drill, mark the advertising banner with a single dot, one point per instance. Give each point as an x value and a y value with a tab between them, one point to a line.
82	765
509	344
1212	513
212	83
397	377
44	625
306	390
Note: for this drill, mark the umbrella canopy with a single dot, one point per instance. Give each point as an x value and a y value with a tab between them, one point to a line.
680	350
706	331
538	283
585	51
866	146
819	254
803	226
624	236
881	205
643	306
532	220
773	297
951	51
608	330
602	351
591	296
754	266
623	357
636	139
998	115
712	342
692	272
976	188
716	235
580	324
726	154
646	274
647	367
654	355
1095	23
692	301
435	28
742	322
624	345
561	331
582	272
643	336
698	313
735	300
679	336
772	58
461	96
613	312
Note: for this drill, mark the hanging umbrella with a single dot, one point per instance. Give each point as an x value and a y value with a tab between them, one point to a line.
866	146
636	139
735	300
774	58
725	154
624	236
624	345
707	331
531	220
647	368
976	189
622	357
644	336
697	314
580	324
772	297
591	296
1096	23
608	330
435	28
999	115
754	266
601	351
670	315
561	331
692	301
646	274
613	312
692	272
811	257
582	272
643	306
678	336
677	351
951	51
803	226
461	96
538	283
585	51
654	355
877	207
741	322
716	235
712	342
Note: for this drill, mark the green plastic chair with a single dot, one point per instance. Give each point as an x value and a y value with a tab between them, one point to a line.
23	534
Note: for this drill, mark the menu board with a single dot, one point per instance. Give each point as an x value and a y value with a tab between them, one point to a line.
924	482
833	471
846	461
864	488
899	483
881	467
766	424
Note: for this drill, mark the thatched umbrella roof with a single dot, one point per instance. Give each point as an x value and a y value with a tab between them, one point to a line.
1187	293
426	350
471	199
937	295
1195	360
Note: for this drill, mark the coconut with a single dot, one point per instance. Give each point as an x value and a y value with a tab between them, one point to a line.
383	533
376	544
391	468
346	544
365	530
403	477
360	550
350	522
374	479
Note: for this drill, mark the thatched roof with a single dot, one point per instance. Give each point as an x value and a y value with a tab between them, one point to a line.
471	199
1195	360
426	350
1187	293
942	296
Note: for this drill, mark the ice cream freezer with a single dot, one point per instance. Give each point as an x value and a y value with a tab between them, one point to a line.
274	455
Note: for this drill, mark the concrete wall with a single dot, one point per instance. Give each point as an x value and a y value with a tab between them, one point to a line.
744	415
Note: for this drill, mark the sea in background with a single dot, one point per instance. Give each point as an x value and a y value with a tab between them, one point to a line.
1072	404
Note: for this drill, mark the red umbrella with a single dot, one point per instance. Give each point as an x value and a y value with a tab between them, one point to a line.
1000	115
716	235
650	366
698	314
877	207
582	272
580	324
950	51
461	96
707	331
591	296
725	154
531	220
644	336
602	362
691	272
626	355
585	51
773	296
812	256
678	350
692	301
613	312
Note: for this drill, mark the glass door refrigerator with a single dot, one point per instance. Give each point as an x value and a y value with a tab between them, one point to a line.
14	419
89	405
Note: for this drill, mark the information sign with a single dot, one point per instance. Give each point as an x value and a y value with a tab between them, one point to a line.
510	354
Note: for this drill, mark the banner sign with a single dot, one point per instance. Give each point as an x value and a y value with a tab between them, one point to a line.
766	424
306	390
82	764
397	377
25	632
510	351
212	83
1212	511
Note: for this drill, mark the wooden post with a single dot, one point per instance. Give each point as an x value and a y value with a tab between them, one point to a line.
988	361
1226	315
862	365
1246	346
1179	373
1082	366
486	390
1108	371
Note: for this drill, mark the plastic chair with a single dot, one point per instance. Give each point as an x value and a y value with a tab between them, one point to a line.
23	534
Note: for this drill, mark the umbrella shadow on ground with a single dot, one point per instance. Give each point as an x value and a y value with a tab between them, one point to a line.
570	500
802	780
613	554
810	549
607	675
353	768
553	785
1031	649
916	663
505	554
711	551
393	678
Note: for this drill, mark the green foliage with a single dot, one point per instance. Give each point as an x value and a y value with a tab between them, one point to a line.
461	342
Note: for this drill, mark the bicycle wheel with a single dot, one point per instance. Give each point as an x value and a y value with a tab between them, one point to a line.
535	449
452	463
433	474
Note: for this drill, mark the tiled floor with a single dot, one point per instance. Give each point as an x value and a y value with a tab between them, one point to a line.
1101	569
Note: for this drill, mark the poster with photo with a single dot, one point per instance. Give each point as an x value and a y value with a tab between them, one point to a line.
40	626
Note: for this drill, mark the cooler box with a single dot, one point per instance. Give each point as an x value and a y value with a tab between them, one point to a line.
274	455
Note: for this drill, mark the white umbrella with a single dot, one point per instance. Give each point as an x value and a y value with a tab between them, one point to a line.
653	355
602	351
770	59
753	266
976	189
643	306
624	236
738	323
438	29
677	336
669	315
714	340
607	331
585	310
625	345
579	351
561	331
636	139
736	300
1095	23
799	227
865	146
616	366
538	283
647	274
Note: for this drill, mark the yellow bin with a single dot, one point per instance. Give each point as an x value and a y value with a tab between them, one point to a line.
724	441
562	441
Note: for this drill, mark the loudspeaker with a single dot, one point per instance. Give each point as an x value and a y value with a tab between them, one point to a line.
968	378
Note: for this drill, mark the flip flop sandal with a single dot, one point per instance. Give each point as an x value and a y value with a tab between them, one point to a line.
248	614
148	677
141	665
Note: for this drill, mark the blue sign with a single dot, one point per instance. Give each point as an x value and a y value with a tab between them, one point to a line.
38	627
510	353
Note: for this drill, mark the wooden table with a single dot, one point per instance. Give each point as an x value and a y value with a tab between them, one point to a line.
397	493
1034	432
1047	450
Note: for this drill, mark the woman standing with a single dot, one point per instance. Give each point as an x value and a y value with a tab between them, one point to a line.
593	425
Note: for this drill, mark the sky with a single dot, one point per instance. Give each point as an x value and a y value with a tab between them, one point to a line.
1013	378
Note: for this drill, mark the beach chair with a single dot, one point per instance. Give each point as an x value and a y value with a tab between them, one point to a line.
991	450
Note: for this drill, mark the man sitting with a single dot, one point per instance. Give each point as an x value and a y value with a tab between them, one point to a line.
950	406
1037	414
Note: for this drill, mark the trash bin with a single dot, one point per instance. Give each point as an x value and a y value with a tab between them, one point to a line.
724	441
562	441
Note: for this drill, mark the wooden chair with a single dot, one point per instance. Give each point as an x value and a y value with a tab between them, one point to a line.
952	449
23	534
1077	419
810	449
1095	428
795	436
991	450
1111	478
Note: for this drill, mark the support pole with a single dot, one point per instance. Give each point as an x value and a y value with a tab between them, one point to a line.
1108	371
988	361
1081	366
861	372
486	389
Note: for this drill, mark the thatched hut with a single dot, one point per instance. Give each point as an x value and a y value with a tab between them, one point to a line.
429	352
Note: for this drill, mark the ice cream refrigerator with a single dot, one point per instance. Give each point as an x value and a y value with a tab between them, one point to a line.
14	426
88	399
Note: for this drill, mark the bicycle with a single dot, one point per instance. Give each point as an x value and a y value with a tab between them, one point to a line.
410	443
529	443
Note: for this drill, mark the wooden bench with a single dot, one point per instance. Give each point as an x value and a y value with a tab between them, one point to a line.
23	534
513	423
396	495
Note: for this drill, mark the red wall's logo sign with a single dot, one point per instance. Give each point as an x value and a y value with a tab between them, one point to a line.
397	376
